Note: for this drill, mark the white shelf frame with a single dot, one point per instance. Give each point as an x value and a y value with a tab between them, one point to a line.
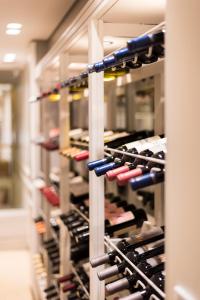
96	151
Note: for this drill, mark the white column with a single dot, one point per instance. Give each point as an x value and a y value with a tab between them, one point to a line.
64	120
96	129
182	128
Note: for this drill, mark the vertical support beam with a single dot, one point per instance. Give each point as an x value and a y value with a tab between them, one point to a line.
182	128
45	168
111	105
131	106
96	148
34	116
159	129
64	120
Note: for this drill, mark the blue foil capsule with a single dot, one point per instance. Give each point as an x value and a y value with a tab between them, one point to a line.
139	43
96	163
141	181
146	180
99	66
120	54
103	169
109	61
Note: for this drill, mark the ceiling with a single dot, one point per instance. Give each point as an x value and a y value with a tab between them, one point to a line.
124	20
136	11
39	19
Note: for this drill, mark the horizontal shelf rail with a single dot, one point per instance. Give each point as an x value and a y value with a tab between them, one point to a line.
156	160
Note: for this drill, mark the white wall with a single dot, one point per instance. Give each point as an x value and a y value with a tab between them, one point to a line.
182	129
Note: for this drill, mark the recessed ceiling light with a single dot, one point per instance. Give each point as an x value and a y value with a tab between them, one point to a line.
9	57
13	31
14	26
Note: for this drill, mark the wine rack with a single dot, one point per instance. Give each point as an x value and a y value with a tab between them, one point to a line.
80	281
93	76
110	244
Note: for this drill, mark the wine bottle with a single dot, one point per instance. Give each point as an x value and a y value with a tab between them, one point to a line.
122	223
79	222
77	294
48	241
134	256
51	246
73	218
155	150
69	214
53	295
65	278
82	237
135	148
70	286
82	155
124	246
134	170
142	42
50	288
118	143
145	294
54	263
119	224
51	251
112	174
129	281
79	228
80	252
147	180
54	255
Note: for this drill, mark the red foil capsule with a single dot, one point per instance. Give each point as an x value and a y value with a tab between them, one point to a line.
122	179
112	174
69	287
65	278
82	155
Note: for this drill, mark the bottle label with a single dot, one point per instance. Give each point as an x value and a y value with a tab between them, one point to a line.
134	229
115	136
123	217
154	261
143	144
160	146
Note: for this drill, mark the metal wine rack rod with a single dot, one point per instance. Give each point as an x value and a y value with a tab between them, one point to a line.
147	280
79	212
156	160
80	281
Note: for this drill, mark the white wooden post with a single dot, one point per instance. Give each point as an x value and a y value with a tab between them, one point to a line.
96	129
64	119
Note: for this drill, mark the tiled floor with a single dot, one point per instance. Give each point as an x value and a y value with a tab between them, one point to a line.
15	275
